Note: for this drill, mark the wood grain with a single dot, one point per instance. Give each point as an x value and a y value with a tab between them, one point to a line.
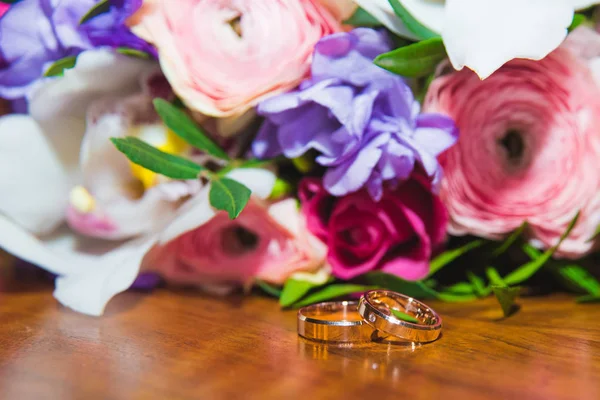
181	344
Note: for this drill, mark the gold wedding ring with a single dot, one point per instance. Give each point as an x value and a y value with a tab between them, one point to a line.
376	306
333	322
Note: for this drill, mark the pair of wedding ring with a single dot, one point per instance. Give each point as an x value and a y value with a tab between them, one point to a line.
366	319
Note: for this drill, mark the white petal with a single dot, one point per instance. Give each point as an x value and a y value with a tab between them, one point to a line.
194	213
581	4
34	183
428	13
89	292
97	73
20	243
483	35
260	181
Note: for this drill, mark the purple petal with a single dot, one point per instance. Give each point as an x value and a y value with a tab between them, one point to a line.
436	133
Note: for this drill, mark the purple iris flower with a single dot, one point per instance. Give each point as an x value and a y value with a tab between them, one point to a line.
35	33
362	120
109	29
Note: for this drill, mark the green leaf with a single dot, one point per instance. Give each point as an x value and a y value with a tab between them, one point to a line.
506	296
294	290
450	255
228	195
404	317
184	127
478	284
455	298
578	19
268	288
527	270
578	278
362	18
413	61
418	29
281	189
460	288
132	52
332	292
419	290
392	282
98	9
58	67
151	158
590	298
494	277
509	241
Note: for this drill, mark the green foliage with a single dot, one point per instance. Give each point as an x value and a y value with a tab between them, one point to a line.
132	52
578	19
415	60
450	255
184	127
507	297
528	269
268	288
149	157
229	195
414	26
333	292
509	241
294	290
404	317
362	18
98	9
58	67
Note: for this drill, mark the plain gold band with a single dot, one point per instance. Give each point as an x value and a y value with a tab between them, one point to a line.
328	329
375	308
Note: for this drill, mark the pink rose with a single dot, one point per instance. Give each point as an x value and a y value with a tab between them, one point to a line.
222	57
265	242
4	8
528	151
397	235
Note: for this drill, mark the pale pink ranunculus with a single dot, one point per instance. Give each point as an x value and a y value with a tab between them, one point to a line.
529	149
224	56
268	242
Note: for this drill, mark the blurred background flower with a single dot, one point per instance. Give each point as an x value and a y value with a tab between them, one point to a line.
110	28
267	241
529	152
222	58
28	48
363	120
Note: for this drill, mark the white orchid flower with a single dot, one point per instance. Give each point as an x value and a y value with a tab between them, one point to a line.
56	166
484	34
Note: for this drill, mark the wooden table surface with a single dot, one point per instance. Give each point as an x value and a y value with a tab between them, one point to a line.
181	344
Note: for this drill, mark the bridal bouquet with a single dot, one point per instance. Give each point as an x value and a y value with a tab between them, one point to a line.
309	149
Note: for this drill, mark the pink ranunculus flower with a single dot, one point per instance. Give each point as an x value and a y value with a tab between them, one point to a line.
528	150
222	57
397	235
268	242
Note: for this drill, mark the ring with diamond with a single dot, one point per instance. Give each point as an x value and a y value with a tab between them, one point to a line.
377	308
336	321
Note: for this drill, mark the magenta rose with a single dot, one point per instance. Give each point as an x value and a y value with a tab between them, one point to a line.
397	235
529	147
